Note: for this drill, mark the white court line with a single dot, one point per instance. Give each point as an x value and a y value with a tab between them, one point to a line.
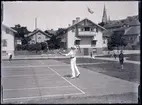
67	80
44	96
64	79
36	88
51	65
41	62
26	75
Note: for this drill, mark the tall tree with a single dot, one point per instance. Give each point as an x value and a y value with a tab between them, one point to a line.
21	32
53	42
116	40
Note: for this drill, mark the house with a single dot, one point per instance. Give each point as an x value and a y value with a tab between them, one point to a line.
132	36
38	36
85	34
7	38
122	26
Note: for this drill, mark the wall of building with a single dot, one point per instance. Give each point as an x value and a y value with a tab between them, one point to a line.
85	42
106	41
10	40
70	38
99	38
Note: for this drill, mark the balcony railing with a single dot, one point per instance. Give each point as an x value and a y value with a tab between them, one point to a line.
86	33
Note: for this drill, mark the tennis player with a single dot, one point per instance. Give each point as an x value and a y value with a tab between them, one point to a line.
74	67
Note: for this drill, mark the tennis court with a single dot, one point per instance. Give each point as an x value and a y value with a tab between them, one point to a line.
25	80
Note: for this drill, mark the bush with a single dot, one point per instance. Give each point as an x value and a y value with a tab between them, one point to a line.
43	46
24	47
18	47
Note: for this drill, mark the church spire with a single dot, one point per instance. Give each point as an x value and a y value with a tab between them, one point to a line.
104	18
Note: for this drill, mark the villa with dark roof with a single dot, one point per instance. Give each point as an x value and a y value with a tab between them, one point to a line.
85	34
38	36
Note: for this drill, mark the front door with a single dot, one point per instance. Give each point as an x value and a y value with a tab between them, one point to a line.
86	51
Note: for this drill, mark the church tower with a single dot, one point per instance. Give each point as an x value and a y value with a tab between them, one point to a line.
104	18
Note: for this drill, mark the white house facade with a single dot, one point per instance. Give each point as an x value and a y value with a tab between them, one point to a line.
7	39
38	36
85	34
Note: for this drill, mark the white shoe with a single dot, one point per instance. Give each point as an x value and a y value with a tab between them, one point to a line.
77	75
72	77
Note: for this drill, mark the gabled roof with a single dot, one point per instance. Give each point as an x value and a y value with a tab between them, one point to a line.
88	20
37	30
134	22
132	30
9	28
51	32
131	21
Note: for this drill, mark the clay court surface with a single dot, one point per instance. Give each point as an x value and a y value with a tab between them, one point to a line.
35	80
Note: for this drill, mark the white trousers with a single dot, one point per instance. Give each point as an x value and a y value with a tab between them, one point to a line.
74	67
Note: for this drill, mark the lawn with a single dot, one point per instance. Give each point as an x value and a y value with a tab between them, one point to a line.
133	57
131	71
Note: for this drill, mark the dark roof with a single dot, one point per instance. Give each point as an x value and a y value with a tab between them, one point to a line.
131	21
37	30
111	24
88	20
52	32
132	30
9	28
107	33
134	22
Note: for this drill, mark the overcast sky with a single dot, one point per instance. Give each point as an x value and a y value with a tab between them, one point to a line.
54	15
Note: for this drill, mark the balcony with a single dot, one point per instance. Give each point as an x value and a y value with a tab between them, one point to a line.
86	33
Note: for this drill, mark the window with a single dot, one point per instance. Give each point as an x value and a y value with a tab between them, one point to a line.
87	28
7	31
32	41
77	42
73	29
93	42
4	43
82	29
97	30
91	29
104	41
130	38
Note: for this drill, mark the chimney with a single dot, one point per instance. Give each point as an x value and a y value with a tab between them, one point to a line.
73	22
77	19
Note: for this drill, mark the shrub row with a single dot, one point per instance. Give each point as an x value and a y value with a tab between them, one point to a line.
32	47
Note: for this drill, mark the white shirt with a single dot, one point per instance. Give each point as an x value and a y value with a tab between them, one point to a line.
72	53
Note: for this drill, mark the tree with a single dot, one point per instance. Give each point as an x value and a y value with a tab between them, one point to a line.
43	46
21	31
117	40
54	42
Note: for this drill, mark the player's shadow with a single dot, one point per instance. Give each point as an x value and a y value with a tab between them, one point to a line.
68	75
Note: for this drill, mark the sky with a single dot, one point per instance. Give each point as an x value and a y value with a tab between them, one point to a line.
58	14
